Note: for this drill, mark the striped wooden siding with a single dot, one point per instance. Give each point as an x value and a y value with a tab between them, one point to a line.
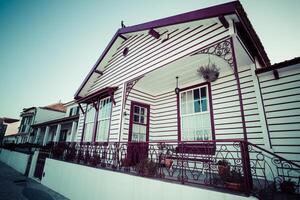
282	105
116	115
226	105
163	115
227	114
164	122
147	53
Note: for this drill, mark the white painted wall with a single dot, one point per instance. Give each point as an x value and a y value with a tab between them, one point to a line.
16	160
43	115
33	164
81	182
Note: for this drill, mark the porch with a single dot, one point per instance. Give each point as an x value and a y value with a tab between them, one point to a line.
252	170
58	130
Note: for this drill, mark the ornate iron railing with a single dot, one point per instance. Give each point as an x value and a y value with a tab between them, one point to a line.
231	165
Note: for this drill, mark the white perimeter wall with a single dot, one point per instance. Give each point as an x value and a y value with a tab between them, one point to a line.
16	160
81	182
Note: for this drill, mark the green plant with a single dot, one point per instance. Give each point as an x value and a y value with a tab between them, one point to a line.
147	168
288	186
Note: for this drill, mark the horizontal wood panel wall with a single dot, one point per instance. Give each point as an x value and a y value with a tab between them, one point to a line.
282	105
147	53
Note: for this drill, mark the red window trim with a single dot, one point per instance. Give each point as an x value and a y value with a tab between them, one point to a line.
133	103
95	127
204	147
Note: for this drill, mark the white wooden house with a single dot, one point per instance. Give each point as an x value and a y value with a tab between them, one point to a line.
137	74
35	115
145	98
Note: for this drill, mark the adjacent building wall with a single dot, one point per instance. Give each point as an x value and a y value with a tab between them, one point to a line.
43	115
281	99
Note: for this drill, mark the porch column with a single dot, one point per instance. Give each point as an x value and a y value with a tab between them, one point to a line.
57	133
73	131
261	107
38	133
46	135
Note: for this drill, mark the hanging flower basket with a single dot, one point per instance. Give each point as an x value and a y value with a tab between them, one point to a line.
209	72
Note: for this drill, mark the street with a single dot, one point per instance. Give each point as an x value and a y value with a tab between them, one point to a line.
15	186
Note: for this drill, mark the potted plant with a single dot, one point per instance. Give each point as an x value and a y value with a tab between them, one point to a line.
165	158
223	169
146	168
288	186
209	72
234	180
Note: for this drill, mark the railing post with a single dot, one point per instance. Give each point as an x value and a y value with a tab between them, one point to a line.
182	162
246	167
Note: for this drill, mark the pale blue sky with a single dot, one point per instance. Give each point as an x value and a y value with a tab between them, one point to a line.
47	47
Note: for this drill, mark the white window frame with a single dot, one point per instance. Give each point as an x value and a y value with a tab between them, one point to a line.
210	137
99	119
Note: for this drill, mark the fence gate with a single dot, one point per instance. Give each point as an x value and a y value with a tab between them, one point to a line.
40	163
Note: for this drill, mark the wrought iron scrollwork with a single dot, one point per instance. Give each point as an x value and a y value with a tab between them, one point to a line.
221	49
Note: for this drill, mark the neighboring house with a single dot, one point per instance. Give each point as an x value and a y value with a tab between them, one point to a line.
8	127
35	115
60	129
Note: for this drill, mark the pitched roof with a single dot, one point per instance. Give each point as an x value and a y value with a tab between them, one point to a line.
234	7
279	65
56	107
8	120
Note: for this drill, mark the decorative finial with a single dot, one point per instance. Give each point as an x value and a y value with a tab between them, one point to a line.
122	24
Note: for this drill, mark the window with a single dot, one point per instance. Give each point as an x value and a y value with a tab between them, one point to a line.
103	119
195	115
89	123
139	125
74	111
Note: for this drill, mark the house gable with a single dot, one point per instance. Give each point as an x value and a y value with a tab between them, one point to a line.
131	37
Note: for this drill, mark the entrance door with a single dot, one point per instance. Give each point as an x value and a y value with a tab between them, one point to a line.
138	132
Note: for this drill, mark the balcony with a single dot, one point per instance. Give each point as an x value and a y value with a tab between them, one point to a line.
226	165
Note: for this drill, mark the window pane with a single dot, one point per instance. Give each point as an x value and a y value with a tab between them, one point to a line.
203	105
183	108
190	102
142	120
142	111
203	92
103	129
183	97
136	109
196	106
136	118
196	94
